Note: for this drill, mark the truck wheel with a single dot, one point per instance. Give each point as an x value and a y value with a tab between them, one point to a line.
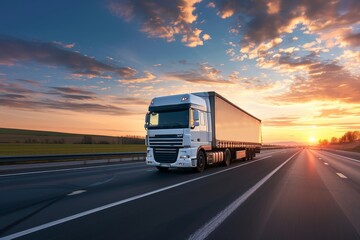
251	154
227	158
162	169
201	161
247	154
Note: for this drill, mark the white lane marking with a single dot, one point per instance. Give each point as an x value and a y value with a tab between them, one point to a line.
101	182
76	192
341	175
69	169
210	226
98	209
326	163
352	159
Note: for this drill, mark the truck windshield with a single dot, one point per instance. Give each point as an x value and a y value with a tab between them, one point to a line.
169	119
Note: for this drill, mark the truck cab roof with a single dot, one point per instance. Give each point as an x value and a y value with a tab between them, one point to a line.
177	101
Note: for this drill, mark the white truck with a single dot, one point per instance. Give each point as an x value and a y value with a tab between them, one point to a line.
199	129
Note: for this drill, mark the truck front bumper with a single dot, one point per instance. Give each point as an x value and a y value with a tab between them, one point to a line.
186	159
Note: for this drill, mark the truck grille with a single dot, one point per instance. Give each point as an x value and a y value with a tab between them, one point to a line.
166	155
168	140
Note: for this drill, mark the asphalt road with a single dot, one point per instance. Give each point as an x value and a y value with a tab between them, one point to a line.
281	194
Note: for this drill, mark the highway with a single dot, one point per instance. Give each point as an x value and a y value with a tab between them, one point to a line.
281	194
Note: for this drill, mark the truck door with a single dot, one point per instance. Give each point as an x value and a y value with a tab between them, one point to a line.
199	133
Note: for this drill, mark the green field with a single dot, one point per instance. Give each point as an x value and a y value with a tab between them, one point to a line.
44	149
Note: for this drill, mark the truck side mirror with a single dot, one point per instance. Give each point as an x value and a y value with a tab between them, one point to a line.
195	118
147	119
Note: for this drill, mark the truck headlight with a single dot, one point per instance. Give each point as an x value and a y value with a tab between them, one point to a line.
184	156
149	155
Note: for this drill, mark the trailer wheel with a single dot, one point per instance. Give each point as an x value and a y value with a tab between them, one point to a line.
251	154
201	161
162	169
247	154
227	158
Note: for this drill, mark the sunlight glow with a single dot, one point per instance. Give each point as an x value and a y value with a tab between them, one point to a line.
312	139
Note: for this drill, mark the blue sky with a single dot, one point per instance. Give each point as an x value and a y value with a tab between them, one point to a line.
93	66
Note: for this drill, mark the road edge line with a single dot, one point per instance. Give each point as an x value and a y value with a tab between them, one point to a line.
216	221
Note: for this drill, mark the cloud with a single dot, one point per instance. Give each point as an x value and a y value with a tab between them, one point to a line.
353	39
11	96
297	121
211	5
325	82
161	18
15	50
253	84
55	105
65	45
6	87
148	76
265	20
280	121
76	97
73	90
131	101
30	82
18	96
337	113
351	61
203	74
206	37
253	51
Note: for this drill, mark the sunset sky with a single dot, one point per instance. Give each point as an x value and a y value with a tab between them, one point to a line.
93	66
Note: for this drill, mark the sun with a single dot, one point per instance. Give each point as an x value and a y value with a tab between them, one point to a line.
312	139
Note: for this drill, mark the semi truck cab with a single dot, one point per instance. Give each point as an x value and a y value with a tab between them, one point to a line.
177	126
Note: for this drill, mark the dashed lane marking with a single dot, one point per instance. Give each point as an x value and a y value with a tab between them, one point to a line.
77	192
341	175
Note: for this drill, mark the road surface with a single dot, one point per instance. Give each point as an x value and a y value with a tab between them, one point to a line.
281	194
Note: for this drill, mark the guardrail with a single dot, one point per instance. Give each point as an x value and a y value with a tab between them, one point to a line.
7	160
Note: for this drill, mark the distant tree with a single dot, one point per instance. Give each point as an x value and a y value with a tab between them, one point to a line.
87	140
349	136
323	142
356	135
334	140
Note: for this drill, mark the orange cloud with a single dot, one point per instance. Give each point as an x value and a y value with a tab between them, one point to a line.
162	19
326	82
148	76
269	19
338	113
204	74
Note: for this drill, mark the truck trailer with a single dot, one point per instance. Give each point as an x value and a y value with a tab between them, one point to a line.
197	130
